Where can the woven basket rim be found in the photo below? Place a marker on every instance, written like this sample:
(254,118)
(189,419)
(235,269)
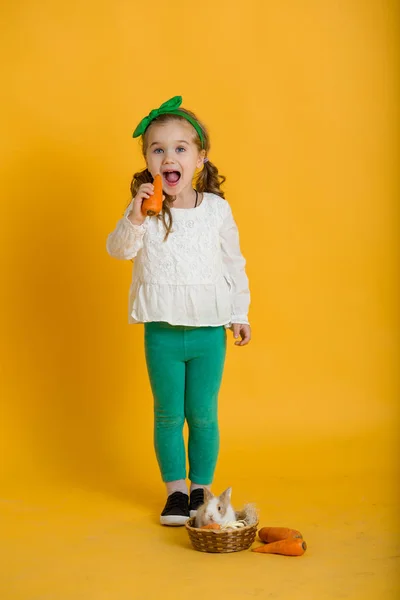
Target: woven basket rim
(218,531)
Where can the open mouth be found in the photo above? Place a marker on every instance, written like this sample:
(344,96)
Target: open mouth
(171,177)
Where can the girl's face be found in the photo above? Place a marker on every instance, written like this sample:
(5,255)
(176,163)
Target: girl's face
(172,152)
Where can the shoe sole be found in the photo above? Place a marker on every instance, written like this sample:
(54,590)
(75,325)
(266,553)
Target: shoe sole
(193,513)
(173,520)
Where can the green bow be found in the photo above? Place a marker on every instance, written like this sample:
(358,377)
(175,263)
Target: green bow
(171,107)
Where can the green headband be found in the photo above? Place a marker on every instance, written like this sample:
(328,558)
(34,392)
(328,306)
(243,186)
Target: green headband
(171,107)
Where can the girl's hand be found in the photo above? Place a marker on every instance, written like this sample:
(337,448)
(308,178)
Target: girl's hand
(145,191)
(244,331)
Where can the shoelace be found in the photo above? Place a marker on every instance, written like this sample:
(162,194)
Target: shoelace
(197,498)
(176,501)
(197,494)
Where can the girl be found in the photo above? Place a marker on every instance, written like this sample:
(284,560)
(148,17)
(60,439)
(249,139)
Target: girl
(189,285)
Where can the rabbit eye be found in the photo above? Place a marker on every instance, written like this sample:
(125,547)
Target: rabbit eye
(219,508)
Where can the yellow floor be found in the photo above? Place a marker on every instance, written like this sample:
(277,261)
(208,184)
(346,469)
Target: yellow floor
(71,541)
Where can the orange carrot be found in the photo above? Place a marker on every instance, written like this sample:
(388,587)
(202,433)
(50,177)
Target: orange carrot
(288,547)
(152,206)
(275,534)
(211,526)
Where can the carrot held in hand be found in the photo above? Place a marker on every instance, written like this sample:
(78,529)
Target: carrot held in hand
(275,534)
(152,206)
(288,547)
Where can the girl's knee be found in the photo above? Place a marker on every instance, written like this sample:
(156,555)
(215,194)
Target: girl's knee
(202,421)
(169,421)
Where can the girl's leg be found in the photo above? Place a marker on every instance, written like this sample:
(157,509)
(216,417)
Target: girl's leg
(205,349)
(166,367)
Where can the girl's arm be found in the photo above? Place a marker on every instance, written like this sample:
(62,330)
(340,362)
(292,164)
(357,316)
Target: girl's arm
(127,239)
(235,268)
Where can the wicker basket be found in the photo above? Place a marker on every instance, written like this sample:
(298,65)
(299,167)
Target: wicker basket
(227,540)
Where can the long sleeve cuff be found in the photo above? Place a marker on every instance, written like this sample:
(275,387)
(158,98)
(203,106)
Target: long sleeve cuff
(136,228)
(242,320)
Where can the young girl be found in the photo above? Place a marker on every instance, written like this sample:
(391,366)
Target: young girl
(189,285)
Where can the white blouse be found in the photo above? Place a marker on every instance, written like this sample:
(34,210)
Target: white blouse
(195,278)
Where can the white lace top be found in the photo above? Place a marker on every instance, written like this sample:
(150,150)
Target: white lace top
(195,278)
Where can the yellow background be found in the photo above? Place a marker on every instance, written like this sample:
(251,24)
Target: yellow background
(301,100)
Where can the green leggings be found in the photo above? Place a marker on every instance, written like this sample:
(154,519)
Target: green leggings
(185,366)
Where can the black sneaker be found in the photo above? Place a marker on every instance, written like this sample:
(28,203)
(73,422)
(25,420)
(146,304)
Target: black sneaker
(196,500)
(176,510)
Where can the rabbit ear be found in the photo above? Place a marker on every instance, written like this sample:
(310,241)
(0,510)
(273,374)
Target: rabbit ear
(207,495)
(225,497)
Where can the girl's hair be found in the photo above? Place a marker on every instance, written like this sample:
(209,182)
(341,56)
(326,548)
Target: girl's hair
(207,180)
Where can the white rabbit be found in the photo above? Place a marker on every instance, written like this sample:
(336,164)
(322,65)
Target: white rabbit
(216,509)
